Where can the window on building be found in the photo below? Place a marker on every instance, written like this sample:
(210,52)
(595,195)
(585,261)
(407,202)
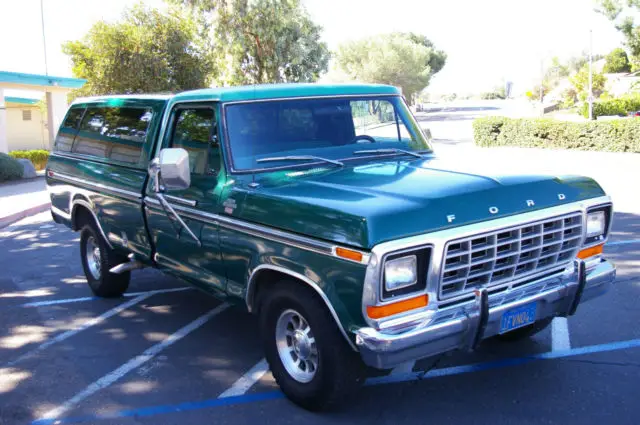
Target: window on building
(26,115)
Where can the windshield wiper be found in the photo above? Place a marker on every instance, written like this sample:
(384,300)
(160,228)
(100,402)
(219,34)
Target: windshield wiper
(387,151)
(301,158)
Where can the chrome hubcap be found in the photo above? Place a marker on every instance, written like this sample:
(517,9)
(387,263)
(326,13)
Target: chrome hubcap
(296,346)
(93,257)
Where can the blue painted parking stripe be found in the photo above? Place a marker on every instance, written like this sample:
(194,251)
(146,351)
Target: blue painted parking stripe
(414,376)
(478,367)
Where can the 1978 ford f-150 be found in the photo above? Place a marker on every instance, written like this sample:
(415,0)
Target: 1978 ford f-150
(324,210)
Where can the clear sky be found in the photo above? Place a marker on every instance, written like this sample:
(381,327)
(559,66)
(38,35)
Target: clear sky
(487,41)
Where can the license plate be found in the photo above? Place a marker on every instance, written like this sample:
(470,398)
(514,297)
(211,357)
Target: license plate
(518,317)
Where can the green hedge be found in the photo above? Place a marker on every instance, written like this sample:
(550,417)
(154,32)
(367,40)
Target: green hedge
(38,157)
(620,106)
(10,169)
(613,136)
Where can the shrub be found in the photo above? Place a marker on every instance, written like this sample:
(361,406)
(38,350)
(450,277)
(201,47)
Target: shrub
(617,61)
(613,136)
(620,106)
(10,169)
(38,157)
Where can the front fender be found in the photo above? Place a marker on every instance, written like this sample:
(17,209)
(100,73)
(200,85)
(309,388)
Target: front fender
(338,282)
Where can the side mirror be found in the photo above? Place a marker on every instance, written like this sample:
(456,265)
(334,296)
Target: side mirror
(172,168)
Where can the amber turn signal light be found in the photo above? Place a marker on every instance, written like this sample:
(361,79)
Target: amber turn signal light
(590,252)
(380,311)
(349,254)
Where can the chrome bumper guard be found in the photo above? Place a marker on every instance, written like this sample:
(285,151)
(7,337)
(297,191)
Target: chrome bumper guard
(481,318)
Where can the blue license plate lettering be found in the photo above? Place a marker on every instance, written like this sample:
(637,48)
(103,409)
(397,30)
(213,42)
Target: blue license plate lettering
(518,317)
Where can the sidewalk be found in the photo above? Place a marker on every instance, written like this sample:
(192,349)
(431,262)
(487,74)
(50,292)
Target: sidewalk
(20,199)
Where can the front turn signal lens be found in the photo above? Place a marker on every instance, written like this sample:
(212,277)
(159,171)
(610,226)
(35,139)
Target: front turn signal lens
(590,252)
(380,311)
(349,254)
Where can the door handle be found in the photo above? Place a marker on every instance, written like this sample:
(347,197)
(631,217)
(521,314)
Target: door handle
(178,200)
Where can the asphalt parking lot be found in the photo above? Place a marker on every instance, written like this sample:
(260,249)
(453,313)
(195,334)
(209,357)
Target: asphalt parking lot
(165,354)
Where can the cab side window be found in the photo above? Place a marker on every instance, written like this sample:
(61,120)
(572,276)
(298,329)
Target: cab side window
(195,131)
(116,133)
(68,129)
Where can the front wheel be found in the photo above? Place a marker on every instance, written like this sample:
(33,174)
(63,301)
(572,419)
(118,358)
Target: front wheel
(308,356)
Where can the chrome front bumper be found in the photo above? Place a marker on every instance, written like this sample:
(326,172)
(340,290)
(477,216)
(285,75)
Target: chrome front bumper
(480,319)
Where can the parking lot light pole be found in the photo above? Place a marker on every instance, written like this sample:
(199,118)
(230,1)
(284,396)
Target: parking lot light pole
(44,40)
(590,98)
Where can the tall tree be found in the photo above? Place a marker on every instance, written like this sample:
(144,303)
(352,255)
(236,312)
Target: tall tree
(622,13)
(580,82)
(617,61)
(401,59)
(261,41)
(147,51)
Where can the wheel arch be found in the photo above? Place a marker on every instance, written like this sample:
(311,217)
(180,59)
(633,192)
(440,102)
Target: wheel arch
(81,207)
(260,276)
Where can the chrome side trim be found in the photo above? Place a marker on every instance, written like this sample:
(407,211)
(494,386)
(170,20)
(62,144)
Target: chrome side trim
(438,240)
(249,294)
(89,207)
(258,230)
(83,183)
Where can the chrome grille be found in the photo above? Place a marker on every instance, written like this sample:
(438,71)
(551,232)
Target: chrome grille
(506,255)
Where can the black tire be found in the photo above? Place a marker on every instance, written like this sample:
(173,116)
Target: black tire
(525,331)
(104,284)
(340,371)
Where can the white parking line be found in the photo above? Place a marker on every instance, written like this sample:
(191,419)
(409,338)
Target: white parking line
(81,327)
(247,380)
(132,364)
(76,300)
(560,340)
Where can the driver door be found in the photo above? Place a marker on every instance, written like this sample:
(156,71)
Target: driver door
(194,128)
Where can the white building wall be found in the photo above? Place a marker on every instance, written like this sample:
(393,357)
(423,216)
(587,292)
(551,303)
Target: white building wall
(25,135)
(3,123)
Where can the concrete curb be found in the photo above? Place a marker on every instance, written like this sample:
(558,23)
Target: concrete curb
(6,221)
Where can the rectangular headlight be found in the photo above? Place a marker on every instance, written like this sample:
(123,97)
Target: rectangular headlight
(596,224)
(400,273)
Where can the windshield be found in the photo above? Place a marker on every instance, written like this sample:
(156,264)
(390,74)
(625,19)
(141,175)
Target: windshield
(331,128)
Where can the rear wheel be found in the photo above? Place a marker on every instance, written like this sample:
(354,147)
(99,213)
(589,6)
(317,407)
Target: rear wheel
(308,355)
(97,259)
(525,331)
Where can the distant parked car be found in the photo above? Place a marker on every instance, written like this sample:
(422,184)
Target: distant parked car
(634,114)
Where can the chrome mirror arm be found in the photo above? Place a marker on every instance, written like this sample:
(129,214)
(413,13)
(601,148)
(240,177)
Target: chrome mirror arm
(169,209)
(154,173)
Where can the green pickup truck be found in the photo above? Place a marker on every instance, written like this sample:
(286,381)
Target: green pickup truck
(324,210)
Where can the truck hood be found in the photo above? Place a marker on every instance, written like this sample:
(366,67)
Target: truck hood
(364,205)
